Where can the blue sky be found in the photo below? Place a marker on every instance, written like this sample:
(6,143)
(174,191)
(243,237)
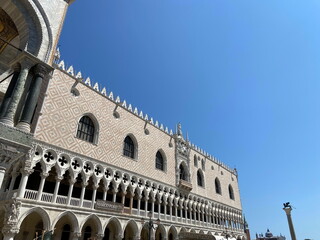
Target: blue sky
(241,76)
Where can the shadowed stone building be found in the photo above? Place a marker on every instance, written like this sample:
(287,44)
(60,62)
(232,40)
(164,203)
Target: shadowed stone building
(77,162)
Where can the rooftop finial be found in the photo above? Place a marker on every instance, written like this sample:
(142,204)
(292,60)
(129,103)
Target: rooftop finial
(179,131)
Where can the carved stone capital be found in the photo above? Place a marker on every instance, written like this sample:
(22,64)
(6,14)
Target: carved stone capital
(44,175)
(40,70)
(25,171)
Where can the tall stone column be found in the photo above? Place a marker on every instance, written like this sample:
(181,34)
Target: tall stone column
(83,190)
(131,202)
(290,223)
(56,188)
(105,192)
(9,114)
(139,204)
(114,197)
(94,194)
(123,195)
(32,98)
(23,183)
(8,95)
(13,179)
(72,182)
(2,174)
(152,206)
(40,190)
(146,199)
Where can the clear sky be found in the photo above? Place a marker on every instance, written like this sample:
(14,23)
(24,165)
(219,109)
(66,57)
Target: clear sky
(242,77)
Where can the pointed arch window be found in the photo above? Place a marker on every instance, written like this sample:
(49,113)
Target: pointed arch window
(195,159)
(160,161)
(200,180)
(183,173)
(86,129)
(217,186)
(128,148)
(231,193)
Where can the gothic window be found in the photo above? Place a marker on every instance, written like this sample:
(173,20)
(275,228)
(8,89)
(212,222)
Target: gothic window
(217,186)
(183,173)
(86,129)
(159,161)
(200,179)
(128,148)
(231,194)
(195,161)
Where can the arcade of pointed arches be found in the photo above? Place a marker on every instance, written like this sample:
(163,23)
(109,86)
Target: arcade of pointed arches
(57,178)
(70,226)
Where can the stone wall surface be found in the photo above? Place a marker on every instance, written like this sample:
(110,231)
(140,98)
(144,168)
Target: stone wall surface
(58,122)
(62,111)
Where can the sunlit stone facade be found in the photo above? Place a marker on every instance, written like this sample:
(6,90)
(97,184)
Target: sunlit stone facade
(78,163)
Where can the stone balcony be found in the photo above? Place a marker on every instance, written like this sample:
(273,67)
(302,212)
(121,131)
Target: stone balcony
(184,185)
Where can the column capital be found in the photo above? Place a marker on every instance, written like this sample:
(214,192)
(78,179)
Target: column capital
(41,70)
(26,171)
(288,210)
(59,178)
(44,175)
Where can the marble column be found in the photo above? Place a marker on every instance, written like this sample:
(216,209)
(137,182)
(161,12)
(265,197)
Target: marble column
(71,182)
(56,188)
(23,183)
(32,98)
(40,190)
(146,199)
(290,223)
(176,211)
(8,94)
(13,179)
(2,174)
(114,197)
(94,193)
(123,199)
(152,207)
(131,202)
(10,112)
(83,190)
(139,204)
(105,192)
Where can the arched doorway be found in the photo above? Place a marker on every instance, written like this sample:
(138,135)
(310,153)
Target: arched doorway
(64,227)
(172,234)
(91,228)
(31,227)
(112,231)
(130,231)
(160,233)
(144,235)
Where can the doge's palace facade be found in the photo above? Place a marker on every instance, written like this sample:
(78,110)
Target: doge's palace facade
(77,162)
